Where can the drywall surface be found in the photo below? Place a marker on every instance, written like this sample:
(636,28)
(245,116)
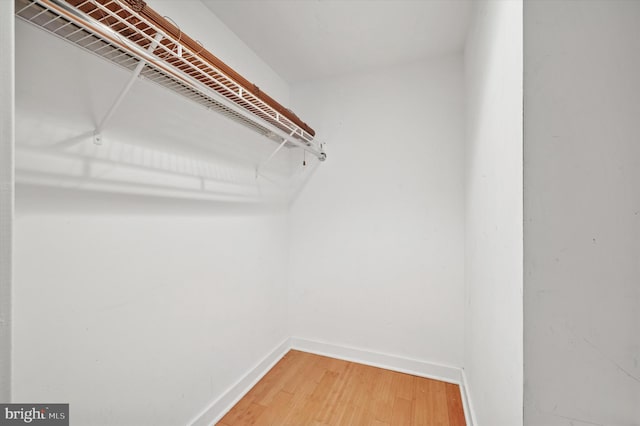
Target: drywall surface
(142,318)
(582,213)
(150,271)
(493,214)
(377,234)
(326,39)
(7,43)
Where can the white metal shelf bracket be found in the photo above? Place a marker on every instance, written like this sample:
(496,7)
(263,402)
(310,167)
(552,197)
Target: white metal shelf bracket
(273,154)
(97,133)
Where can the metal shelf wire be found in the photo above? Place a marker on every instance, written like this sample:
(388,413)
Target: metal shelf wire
(112,30)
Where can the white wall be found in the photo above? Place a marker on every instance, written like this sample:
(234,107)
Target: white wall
(582,213)
(493,214)
(7,100)
(377,234)
(150,272)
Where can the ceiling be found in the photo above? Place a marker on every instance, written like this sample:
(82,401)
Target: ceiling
(314,39)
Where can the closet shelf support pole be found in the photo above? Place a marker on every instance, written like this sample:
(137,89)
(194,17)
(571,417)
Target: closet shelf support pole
(97,134)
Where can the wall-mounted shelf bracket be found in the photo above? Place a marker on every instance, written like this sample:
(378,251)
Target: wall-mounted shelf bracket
(273,154)
(97,134)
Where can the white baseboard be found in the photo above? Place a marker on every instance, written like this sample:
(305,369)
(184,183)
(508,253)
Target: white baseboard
(444,373)
(469,412)
(218,408)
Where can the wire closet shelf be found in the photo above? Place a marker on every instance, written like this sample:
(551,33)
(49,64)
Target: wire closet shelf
(113,30)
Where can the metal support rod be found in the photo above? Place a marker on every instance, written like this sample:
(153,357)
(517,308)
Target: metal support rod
(273,154)
(260,166)
(126,88)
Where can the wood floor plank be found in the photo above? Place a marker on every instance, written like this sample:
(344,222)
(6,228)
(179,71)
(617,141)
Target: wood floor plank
(272,415)
(327,394)
(454,405)
(439,415)
(312,404)
(247,416)
(401,413)
(233,416)
(272,382)
(403,385)
(307,389)
(383,397)
(303,389)
(423,406)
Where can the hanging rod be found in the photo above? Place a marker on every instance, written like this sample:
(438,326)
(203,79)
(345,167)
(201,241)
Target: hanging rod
(123,32)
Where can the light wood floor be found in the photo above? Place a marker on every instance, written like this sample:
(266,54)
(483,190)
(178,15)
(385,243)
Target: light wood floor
(311,390)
